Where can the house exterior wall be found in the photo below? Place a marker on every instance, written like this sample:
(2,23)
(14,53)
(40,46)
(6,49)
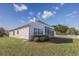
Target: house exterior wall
(28,32)
(23,33)
(38,25)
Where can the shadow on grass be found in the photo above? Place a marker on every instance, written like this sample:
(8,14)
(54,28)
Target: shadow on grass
(61,40)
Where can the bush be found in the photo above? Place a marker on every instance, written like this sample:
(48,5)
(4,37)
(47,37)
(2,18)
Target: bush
(36,39)
(40,38)
(2,31)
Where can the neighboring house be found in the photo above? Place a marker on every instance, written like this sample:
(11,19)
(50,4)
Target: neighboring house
(35,27)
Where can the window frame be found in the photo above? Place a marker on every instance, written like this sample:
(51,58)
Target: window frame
(38,31)
(17,32)
(13,32)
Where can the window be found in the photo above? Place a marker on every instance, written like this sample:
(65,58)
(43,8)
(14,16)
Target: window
(47,31)
(17,32)
(38,31)
(35,31)
(52,33)
(13,32)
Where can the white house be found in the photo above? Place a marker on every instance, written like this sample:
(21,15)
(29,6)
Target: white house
(35,27)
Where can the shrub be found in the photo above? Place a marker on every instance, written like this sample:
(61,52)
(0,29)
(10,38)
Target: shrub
(44,38)
(40,38)
(36,39)
(2,31)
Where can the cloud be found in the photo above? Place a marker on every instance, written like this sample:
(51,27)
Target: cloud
(46,14)
(31,13)
(54,12)
(61,4)
(39,15)
(72,13)
(21,7)
(56,8)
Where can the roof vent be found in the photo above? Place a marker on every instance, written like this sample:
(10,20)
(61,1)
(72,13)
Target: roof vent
(33,20)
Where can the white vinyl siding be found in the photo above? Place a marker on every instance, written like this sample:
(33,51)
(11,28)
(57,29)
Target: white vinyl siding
(20,33)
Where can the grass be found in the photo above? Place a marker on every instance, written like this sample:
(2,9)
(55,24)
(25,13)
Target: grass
(17,47)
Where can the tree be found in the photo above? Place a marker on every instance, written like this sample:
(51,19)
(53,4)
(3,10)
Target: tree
(2,32)
(60,28)
(71,31)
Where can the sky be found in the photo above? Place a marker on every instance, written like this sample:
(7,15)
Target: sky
(13,15)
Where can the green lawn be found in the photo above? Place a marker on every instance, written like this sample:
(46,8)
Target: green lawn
(17,47)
